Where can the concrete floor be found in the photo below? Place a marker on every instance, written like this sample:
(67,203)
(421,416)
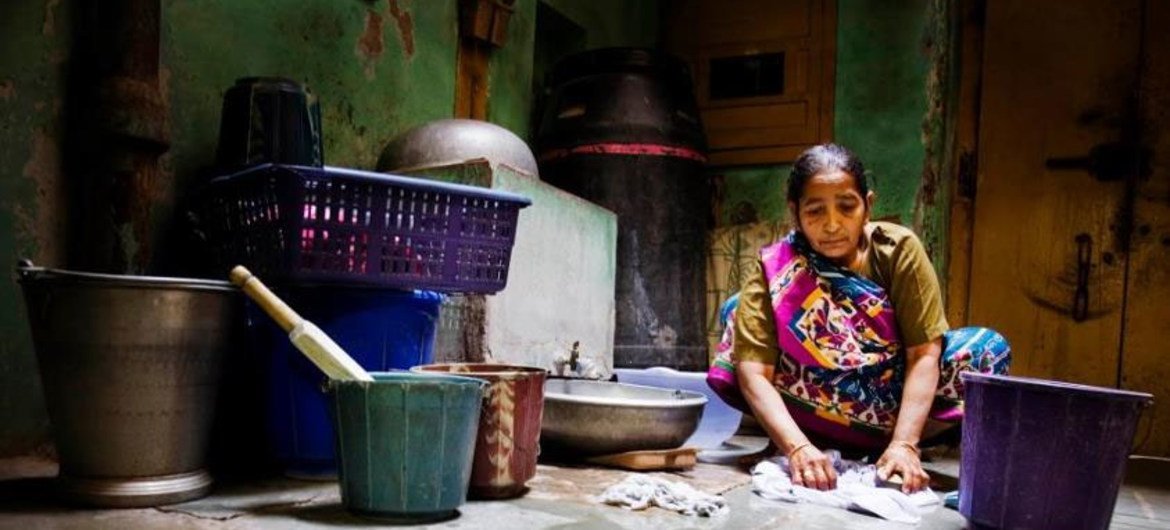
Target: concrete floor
(560,497)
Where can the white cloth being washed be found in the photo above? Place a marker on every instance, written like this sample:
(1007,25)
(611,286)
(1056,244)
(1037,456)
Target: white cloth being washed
(638,492)
(857,490)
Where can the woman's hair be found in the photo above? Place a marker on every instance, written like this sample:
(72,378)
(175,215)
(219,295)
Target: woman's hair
(821,158)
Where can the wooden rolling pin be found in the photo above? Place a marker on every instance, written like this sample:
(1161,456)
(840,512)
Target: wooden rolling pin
(307,337)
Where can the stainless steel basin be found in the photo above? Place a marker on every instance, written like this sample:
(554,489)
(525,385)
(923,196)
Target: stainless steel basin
(584,418)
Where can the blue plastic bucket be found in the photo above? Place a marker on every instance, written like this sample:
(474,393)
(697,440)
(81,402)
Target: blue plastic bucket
(406,444)
(1043,454)
(382,329)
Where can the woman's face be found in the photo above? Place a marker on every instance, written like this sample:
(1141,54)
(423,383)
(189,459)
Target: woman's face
(833,214)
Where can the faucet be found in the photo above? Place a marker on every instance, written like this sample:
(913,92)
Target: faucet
(574,354)
(577,365)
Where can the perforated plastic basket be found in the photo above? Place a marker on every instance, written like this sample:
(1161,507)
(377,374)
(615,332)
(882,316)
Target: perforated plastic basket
(310,224)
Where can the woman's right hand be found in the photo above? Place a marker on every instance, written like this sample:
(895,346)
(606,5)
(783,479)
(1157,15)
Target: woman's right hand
(809,467)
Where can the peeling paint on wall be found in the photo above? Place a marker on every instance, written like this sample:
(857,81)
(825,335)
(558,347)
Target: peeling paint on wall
(32,203)
(370,45)
(932,203)
(405,27)
(45,224)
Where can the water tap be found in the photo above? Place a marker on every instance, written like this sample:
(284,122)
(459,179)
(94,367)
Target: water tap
(577,365)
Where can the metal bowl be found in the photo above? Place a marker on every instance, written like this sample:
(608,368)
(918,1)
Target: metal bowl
(454,141)
(586,418)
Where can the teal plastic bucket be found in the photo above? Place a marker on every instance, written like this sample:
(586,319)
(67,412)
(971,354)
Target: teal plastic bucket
(405,444)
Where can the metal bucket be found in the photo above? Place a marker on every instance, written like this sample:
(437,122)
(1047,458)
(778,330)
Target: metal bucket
(130,367)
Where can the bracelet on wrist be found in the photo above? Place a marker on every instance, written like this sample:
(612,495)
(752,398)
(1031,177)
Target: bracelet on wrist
(798,448)
(912,447)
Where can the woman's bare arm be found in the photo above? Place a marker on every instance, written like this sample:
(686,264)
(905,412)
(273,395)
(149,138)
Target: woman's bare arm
(901,457)
(808,465)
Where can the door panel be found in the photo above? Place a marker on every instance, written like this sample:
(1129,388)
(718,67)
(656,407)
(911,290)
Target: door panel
(1146,342)
(1048,262)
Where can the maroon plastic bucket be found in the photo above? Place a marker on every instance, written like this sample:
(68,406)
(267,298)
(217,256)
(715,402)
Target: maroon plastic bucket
(509,426)
(1043,454)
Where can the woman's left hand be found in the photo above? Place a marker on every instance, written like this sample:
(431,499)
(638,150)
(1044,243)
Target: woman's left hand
(902,459)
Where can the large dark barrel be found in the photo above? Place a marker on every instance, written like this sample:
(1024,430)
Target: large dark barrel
(620,128)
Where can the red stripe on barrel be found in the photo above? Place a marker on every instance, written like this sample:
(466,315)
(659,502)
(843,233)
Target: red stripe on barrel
(634,149)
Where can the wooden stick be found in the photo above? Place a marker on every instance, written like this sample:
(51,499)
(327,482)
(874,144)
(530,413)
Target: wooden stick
(284,315)
(327,355)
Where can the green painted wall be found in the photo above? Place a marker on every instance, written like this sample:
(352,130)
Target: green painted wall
(510,73)
(881,96)
(33,55)
(613,22)
(379,67)
(750,194)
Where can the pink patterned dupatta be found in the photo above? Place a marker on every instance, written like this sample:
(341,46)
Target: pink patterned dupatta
(839,343)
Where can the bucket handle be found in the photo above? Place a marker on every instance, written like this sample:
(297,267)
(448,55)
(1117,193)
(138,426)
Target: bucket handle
(25,268)
(1153,408)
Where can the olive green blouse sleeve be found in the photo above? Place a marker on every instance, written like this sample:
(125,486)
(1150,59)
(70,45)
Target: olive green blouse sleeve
(915,293)
(755,323)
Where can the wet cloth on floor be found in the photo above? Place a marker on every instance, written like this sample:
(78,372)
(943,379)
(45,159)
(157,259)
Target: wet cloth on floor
(857,490)
(638,492)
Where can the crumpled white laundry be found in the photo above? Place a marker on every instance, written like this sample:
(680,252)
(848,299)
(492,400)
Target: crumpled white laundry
(638,492)
(857,490)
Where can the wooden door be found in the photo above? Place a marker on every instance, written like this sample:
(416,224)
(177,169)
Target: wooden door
(1145,352)
(1061,263)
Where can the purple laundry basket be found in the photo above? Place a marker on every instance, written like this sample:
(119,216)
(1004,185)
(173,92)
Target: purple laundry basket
(382,329)
(298,224)
(1043,454)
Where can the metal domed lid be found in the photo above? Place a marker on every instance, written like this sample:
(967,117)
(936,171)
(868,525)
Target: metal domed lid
(451,141)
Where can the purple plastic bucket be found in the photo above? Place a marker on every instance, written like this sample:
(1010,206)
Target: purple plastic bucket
(1043,454)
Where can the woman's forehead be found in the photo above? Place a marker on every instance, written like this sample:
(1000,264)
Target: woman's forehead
(834,178)
(822,186)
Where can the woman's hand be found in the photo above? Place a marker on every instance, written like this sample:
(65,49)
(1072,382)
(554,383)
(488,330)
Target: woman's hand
(901,459)
(809,467)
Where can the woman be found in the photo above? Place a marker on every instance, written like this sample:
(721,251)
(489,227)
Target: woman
(839,336)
